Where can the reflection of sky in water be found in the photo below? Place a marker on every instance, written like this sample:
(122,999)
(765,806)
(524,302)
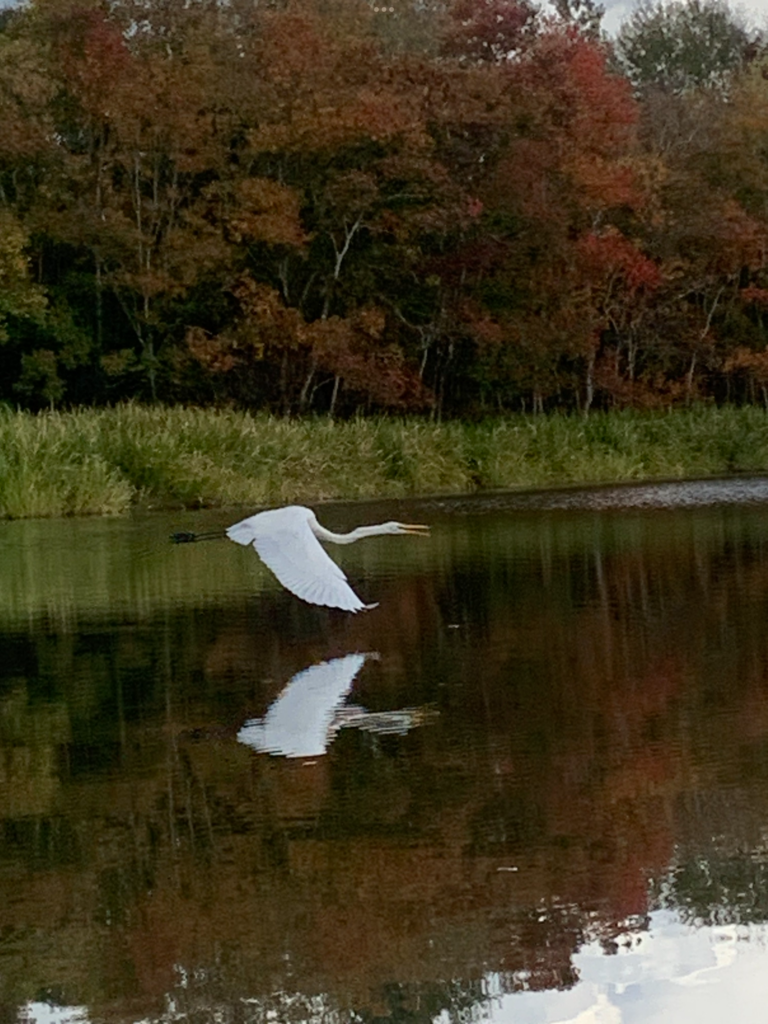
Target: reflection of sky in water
(45,1013)
(671,974)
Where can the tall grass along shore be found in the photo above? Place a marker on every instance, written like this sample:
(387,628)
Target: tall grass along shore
(106,461)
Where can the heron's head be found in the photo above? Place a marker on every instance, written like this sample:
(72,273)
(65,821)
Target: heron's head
(417,529)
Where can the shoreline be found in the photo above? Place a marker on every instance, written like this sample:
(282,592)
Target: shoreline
(115,460)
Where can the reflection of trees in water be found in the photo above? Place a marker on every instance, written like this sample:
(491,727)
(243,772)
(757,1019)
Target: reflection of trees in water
(719,889)
(457,1001)
(720,869)
(586,697)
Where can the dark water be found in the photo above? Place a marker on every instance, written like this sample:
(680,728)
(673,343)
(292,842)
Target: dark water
(531,786)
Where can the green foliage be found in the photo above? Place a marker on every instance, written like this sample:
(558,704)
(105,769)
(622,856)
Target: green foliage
(49,469)
(19,296)
(105,462)
(677,46)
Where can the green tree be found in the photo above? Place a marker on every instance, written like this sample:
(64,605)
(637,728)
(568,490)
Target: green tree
(19,296)
(678,46)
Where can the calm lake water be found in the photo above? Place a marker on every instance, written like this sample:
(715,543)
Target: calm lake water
(530,787)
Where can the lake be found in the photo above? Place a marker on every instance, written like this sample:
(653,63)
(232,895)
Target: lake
(531,786)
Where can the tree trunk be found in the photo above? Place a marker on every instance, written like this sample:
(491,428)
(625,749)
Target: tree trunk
(590,383)
(689,380)
(336,381)
(99,307)
(306,386)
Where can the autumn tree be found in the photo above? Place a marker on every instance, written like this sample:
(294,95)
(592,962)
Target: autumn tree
(344,192)
(565,176)
(703,223)
(20,297)
(139,202)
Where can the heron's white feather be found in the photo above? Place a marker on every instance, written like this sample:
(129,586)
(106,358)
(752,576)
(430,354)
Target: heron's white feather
(288,541)
(286,544)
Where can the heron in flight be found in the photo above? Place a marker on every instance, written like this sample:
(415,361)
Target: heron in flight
(288,542)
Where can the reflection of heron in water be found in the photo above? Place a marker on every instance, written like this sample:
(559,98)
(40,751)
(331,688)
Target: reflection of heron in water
(287,540)
(306,716)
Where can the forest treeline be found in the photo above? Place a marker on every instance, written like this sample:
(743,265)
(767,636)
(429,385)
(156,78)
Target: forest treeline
(330,205)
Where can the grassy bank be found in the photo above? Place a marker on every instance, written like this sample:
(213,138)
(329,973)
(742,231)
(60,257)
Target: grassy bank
(105,461)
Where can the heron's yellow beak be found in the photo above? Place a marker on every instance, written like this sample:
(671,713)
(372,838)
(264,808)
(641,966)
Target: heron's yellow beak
(418,529)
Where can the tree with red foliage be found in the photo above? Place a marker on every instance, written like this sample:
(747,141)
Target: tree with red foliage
(492,31)
(554,192)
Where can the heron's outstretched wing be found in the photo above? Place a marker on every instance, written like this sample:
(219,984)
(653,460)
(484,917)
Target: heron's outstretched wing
(296,557)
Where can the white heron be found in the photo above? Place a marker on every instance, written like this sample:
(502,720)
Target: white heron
(288,542)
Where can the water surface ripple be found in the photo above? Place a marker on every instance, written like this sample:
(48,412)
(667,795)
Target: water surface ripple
(664,494)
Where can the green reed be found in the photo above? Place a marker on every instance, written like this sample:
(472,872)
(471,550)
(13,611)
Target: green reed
(106,461)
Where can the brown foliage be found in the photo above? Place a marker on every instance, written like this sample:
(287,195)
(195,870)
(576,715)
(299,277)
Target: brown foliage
(272,336)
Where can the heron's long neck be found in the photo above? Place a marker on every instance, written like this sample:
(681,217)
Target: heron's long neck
(347,538)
